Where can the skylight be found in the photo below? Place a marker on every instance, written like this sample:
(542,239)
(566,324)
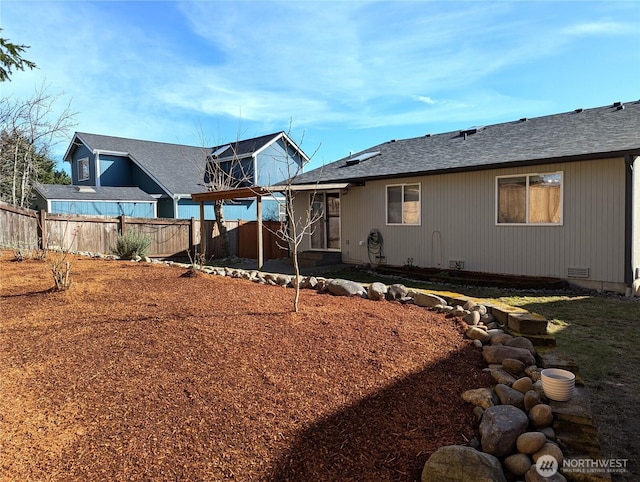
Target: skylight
(219,151)
(361,157)
(85,189)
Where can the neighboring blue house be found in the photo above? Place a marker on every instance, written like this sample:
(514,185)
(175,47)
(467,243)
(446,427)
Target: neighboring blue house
(95,201)
(116,175)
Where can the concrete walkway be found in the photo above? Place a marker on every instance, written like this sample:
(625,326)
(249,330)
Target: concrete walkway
(281,265)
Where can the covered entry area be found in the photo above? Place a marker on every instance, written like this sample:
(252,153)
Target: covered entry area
(326,204)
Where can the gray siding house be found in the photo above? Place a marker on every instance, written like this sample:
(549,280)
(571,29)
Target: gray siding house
(116,175)
(555,196)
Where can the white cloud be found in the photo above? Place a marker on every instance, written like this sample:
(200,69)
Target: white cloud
(344,64)
(425,99)
(599,28)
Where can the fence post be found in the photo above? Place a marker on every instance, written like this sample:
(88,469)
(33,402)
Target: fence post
(123,224)
(42,227)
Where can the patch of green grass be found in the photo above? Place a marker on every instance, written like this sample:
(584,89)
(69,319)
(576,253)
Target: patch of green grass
(600,333)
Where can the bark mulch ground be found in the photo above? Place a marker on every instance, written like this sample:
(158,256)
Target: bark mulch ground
(138,373)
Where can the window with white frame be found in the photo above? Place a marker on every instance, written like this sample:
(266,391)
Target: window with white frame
(529,199)
(403,204)
(83,169)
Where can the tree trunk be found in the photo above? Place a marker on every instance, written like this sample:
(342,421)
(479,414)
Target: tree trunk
(294,253)
(14,185)
(222,228)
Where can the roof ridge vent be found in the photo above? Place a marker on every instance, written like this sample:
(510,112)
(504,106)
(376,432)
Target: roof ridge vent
(523,119)
(620,107)
(578,110)
(471,130)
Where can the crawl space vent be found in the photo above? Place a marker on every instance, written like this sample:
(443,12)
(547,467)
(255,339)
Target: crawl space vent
(578,272)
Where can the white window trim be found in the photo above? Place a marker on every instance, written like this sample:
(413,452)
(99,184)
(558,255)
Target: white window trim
(527,176)
(386,204)
(80,170)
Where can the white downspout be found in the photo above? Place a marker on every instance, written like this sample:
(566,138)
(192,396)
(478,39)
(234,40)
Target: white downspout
(97,157)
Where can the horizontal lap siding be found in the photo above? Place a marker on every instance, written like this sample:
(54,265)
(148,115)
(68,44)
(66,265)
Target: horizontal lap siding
(98,208)
(458,222)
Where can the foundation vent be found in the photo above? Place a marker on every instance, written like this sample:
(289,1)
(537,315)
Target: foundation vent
(577,272)
(456,264)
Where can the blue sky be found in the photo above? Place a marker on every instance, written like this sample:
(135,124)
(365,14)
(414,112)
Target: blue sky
(347,75)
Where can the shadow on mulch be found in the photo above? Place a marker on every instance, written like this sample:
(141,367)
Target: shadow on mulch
(372,440)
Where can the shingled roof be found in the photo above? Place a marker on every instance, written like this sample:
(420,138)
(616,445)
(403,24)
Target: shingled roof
(610,131)
(91,193)
(178,168)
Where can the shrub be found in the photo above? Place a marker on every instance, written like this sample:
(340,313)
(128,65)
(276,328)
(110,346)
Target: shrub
(61,271)
(131,244)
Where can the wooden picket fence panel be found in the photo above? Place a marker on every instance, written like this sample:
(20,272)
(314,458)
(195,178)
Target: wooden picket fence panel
(27,229)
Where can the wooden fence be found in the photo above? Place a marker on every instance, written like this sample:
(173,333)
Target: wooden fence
(28,229)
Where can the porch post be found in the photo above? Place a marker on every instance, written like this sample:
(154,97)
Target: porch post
(202,234)
(259,223)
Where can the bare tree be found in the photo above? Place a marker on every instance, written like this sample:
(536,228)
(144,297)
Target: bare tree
(296,225)
(223,170)
(28,132)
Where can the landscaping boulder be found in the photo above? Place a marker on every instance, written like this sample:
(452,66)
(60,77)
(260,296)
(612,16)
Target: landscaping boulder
(541,415)
(549,433)
(500,375)
(469,305)
(522,342)
(480,308)
(500,428)
(531,399)
(481,397)
(523,384)
(475,333)
(515,367)
(635,289)
(530,442)
(458,463)
(343,287)
(396,292)
(552,449)
(282,279)
(517,464)
(428,300)
(497,353)
(472,319)
(509,396)
(501,338)
(377,291)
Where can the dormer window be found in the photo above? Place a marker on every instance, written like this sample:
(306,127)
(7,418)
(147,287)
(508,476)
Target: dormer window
(83,169)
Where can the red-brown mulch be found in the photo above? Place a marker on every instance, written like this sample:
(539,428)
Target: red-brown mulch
(137,373)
